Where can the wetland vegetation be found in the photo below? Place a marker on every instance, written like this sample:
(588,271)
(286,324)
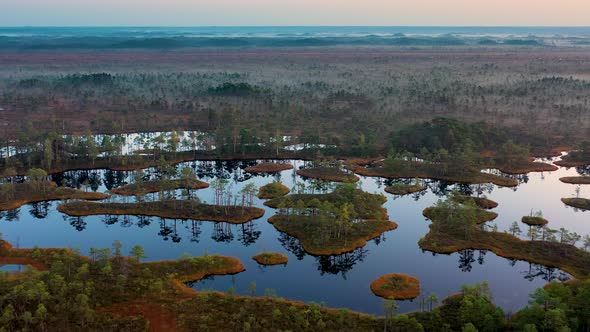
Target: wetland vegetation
(192,138)
(578,203)
(39,189)
(404,189)
(396,286)
(175,209)
(154,186)
(273,190)
(271,258)
(455,227)
(575,179)
(333,223)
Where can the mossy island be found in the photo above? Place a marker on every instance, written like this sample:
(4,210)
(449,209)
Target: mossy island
(480,202)
(404,189)
(153,186)
(399,169)
(271,258)
(527,167)
(396,286)
(15,195)
(174,209)
(324,173)
(455,227)
(577,158)
(332,223)
(273,190)
(324,237)
(578,203)
(268,167)
(534,221)
(575,179)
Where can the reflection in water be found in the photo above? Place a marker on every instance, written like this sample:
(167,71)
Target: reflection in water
(114,179)
(222,232)
(292,244)
(248,233)
(194,227)
(466,260)
(77,222)
(40,210)
(583,170)
(544,272)
(343,263)
(333,264)
(229,169)
(83,179)
(109,219)
(355,267)
(10,215)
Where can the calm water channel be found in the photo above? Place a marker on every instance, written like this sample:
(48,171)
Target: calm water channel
(338,281)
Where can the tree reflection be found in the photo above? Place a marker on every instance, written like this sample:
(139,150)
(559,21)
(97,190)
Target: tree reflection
(340,263)
(292,245)
(114,179)
(10,215)
(110,219)
(195,229)
(165,230)
(466,260)
(222,232)
(248,234)
(85,179)
(143,221)
(379,239)
(440,188)
(333,264)
(544,272)
(40,210)
(77,222)
(583,170)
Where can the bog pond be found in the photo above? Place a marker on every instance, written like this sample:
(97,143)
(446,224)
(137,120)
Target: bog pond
(338,281)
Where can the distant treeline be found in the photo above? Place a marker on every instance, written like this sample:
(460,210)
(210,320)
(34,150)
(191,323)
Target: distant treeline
(93,42)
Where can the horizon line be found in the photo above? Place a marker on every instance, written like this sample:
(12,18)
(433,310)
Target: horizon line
(294,26)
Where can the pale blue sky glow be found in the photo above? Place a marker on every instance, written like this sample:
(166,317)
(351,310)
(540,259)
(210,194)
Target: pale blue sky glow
(291,12)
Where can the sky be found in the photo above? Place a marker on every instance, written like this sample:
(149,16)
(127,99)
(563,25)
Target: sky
(294,12)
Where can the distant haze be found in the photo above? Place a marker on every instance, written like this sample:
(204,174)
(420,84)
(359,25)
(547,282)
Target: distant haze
(294,12)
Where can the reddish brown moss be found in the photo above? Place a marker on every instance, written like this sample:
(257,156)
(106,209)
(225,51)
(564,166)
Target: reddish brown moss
(333,174)
(534,221)
(271,258)
(273,190)
(578,203)
(269,168)
(147,187)
(575,179)
(441,239)
(416,171)
(528,168)
(308,231)
(26,193)
(174,209)
(396,286)
(480,202)
(404,189)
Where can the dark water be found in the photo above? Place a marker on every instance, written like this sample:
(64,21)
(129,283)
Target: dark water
(339,281)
